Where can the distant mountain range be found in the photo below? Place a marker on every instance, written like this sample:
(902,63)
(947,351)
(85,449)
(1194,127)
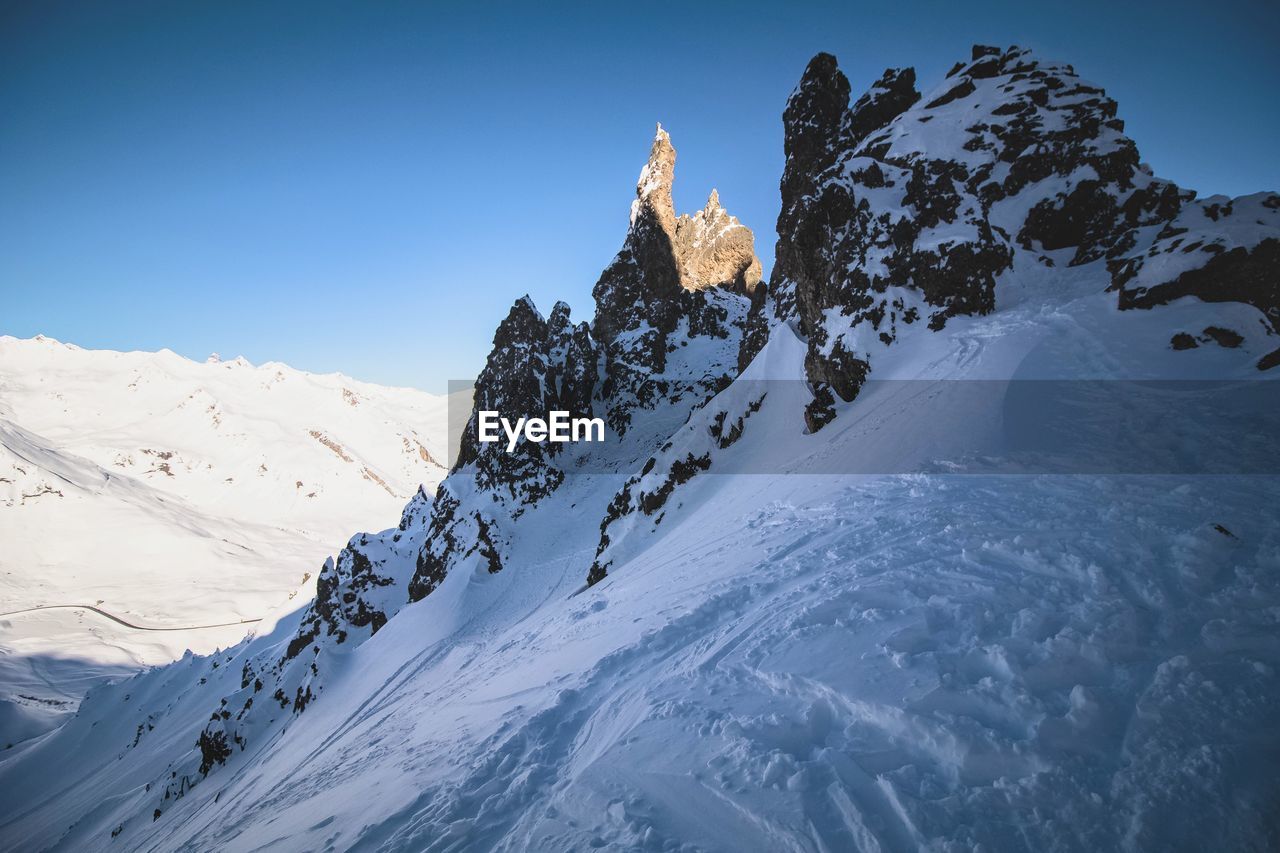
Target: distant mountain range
(172,493)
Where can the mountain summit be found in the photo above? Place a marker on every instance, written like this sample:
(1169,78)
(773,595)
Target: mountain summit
(903,209)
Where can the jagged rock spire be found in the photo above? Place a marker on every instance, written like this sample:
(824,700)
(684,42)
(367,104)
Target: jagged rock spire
(664,256)
(812,123)
(653,189)
(711,248)
(716,250)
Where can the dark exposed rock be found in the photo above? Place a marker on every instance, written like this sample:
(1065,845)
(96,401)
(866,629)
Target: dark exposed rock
(572,368)
(890,96)
(1091,220)
(648,502)
(1224,337)
(815,122)
(445,541)
(213,750)
(962,89)
(821,410)
(725,430)
(645,496)
(356,594)
(514,382)
(1240,274)
(755,332)
(536,366)
(880,227)
(1183,341)
(696,270)
(681,472)
(362,587)
(831,232)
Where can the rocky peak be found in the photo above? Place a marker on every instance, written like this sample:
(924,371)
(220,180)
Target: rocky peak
(694,270)
(813,120)
(867,187)
(905,209)
(572,359)
(889,97)
(709,249)
(523,377)
(512,379)
(716,250)
(653,189)
(558,319)
(536,366)
(675,279)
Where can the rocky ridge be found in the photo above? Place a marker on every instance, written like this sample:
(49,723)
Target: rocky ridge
(900,212)
(905,209)
(665,336)
(675,280)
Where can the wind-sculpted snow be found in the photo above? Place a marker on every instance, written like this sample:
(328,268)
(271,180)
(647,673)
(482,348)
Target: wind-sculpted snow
(1025,663)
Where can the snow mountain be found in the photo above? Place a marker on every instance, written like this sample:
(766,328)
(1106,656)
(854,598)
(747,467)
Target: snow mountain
(812,595)
(170,493)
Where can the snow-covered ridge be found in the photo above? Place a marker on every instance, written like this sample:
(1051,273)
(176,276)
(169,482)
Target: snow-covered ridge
(208,432)
(903,211)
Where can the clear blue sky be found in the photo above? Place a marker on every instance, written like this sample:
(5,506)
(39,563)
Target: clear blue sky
(366,187)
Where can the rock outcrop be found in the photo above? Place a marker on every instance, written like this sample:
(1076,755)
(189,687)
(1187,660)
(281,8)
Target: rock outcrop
(363,587)
(675,279)
(669,314)
(356,594)
(1217,250)
(536,366)
(905,211)
(901,212)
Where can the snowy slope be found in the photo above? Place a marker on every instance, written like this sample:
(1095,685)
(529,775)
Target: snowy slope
(805,630)
(798,662)
(172,493)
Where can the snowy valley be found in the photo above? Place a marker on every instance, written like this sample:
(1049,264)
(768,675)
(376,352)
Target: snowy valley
(170,493)
(810,597)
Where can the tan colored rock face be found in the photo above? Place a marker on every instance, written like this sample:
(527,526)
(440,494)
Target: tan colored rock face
(714,249)
(711,247)
(653,189)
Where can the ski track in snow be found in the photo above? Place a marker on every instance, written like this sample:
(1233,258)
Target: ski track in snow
(801,662)
(900,657)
